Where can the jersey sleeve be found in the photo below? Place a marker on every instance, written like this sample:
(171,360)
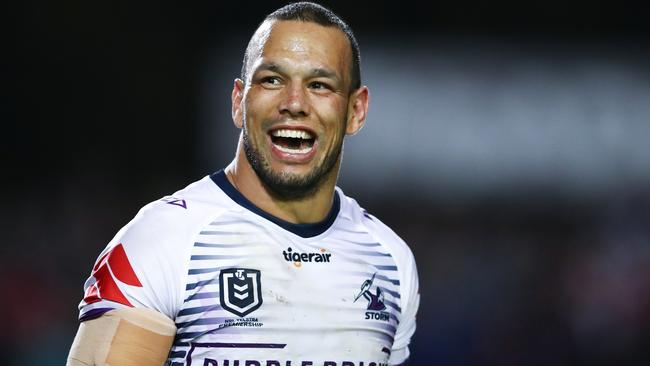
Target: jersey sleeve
(409,287)
(142,266)
(411,301)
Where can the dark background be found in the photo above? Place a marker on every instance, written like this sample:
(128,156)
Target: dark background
(104,109)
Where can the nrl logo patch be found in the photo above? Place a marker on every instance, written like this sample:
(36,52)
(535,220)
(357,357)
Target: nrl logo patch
(240,290)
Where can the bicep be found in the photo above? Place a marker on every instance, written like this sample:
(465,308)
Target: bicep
(132,336)
(406,328)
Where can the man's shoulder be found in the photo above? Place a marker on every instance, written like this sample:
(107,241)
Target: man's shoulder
(373,225)
(145,263)
(180,213)
(391,243)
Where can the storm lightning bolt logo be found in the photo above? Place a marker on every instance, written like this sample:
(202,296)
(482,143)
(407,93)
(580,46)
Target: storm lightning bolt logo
(376,300)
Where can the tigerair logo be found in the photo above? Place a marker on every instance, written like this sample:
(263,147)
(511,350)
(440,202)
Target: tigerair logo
(299,258)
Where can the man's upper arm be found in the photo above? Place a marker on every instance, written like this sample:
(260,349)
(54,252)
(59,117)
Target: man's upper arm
(409,289)
(134,291)
(128,336)
(406,327)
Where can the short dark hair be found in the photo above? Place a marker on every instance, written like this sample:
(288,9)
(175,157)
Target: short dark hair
(315,13)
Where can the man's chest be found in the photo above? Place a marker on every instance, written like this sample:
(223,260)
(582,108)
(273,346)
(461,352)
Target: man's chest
(256,295)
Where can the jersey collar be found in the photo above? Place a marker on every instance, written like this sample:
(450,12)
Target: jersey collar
(303,230)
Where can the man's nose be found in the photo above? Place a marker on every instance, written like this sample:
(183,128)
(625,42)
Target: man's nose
(295,101)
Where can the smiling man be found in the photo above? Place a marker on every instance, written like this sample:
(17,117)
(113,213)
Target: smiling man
(266,262)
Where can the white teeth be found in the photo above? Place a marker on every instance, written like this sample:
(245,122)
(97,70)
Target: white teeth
(296,134)
(293,151)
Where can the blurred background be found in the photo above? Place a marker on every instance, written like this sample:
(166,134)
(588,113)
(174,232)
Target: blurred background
(508,144)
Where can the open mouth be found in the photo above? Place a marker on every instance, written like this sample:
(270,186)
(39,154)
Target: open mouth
(292,141)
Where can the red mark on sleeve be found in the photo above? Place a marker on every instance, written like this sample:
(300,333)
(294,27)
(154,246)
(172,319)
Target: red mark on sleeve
(106,287)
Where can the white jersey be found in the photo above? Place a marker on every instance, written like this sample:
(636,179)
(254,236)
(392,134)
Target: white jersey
(248,289)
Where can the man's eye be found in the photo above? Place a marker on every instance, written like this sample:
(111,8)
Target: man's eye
(319,85)
(272,80)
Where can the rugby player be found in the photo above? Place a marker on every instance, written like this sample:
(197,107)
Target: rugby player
(265,262)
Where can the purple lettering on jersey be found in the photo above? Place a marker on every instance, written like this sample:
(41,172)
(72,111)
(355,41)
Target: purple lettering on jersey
(213,362)
(193,346)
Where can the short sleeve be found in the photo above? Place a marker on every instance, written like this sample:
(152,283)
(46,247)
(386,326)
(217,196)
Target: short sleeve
(142,266)
(411,301)
(409,286)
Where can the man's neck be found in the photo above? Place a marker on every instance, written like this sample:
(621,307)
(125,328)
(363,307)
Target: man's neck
(311,209)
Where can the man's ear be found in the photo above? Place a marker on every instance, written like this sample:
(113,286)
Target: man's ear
(237,99)
(357,110)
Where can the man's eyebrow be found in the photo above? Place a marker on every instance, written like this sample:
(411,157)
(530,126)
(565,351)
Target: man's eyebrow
(314,73)
(324,73)
(269,66)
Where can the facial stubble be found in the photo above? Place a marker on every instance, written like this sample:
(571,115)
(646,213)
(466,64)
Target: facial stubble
(289,186)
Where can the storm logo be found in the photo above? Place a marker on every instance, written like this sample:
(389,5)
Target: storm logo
(376,300)
(240,290)
(376,304)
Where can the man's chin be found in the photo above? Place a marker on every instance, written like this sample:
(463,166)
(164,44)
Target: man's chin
(290,173)
(290,181)
(290,186)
